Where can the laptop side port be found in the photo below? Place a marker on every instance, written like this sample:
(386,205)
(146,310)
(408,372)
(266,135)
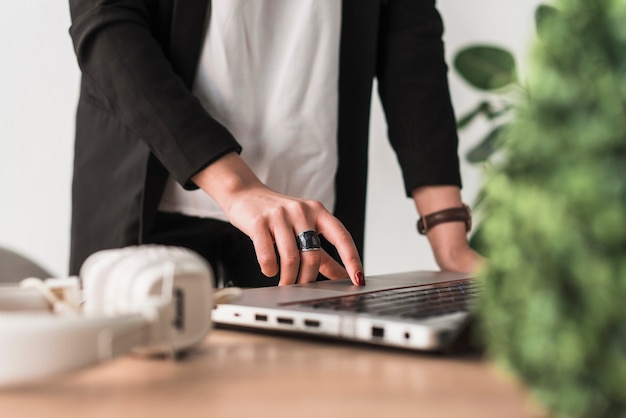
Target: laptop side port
(378,332)
(284,321)
(260,318)
(312,323)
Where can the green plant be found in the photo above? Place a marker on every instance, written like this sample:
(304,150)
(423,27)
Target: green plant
(493,71)
(553,309)
(489,69)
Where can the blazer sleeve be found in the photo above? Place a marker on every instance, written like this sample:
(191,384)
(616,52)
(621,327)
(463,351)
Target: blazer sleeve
(413,87)
(123,62)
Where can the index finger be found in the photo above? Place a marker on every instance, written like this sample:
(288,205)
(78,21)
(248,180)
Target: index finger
(337,234)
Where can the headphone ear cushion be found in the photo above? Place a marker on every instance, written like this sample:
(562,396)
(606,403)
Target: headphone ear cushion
(95,274)
(123,276)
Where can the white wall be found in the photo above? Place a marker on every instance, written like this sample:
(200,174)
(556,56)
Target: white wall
(38,93)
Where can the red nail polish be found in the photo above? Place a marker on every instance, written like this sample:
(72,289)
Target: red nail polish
(360,279)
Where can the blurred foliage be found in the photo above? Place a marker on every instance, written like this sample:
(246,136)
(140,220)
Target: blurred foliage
(553,310)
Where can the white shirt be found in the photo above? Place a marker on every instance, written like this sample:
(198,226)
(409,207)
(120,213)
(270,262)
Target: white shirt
(269,72)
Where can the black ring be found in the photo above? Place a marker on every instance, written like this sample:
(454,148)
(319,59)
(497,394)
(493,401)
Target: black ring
(308,241)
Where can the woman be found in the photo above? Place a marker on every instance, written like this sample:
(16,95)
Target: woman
(236,137)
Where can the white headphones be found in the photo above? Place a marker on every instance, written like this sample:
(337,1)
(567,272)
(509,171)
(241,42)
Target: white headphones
(151,299)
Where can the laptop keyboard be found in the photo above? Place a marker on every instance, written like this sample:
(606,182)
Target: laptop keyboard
(418,302)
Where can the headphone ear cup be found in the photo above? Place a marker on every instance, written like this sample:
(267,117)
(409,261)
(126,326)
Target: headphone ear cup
(172,283)
(192,298)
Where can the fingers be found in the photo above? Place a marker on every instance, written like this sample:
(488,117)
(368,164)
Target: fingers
(295,266)
(304,266)
(331,268)
(264,249)
(337,234)
(288,251)
(274,221)
(309,266)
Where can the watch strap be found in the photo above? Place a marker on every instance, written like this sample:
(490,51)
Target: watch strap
(459,214)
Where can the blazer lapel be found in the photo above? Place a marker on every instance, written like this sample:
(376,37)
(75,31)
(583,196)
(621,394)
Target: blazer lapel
(187,35)
(357,67)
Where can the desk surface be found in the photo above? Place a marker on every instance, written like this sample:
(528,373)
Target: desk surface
(245,374)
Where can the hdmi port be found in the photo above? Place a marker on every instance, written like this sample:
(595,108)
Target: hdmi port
(286,321)
(313,323)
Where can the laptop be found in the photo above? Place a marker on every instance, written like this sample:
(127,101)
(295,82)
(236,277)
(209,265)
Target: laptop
(419,310)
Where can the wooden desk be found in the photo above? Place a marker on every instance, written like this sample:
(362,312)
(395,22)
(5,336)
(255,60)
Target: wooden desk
(254,375)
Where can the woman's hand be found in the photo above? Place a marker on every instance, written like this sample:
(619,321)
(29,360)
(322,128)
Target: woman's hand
(451,250)
(273,220)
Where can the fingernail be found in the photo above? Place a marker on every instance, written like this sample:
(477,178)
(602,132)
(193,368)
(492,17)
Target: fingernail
(360,279)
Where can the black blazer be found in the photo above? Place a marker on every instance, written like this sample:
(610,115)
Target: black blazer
(137,121)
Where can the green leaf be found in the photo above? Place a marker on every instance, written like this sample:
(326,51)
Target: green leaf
(486,148)
(482,107)
(486,67)
(492,114)
(479,200)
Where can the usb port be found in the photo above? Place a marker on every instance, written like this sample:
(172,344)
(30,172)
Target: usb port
(313,323)
(378,332)
(262,318)
(283,320)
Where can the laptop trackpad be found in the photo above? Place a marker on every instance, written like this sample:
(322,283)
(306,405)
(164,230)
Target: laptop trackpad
(346,286)
(338,285)
(385,281)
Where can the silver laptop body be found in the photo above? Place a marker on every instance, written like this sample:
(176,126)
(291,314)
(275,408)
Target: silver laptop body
(414,310)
